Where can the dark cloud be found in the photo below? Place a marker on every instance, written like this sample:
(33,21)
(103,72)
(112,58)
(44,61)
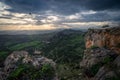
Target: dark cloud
(62,6)
(99,16)
(88,4)
(27,5)
(34,6)
(102,4)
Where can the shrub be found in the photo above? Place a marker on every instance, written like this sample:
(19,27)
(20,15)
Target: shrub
(47,70)
(107,59)
(113,78)
(94,47)
(94,69)
(29,72)
(3,56)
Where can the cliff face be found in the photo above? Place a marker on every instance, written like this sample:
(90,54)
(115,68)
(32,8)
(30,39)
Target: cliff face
(100,61)
(108,38)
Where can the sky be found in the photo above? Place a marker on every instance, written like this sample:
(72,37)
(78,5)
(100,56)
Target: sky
(58,14)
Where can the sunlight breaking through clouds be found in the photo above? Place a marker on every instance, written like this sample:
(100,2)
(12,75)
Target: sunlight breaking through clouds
(59,13)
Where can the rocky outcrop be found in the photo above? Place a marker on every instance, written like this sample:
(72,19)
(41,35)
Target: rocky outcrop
(101,57)
(99,64)
(19,58)
(98,55)
(104,37)
(110,71)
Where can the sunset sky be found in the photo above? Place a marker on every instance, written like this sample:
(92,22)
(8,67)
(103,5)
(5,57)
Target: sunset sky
(57,14)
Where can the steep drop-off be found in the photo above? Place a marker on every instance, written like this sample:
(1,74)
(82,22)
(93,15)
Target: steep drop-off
(107,38)
(102,54)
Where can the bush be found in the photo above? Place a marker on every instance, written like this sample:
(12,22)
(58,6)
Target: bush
(113,78)
(94,47)
(94,69)
(107,60)
(3,56)
(29,72)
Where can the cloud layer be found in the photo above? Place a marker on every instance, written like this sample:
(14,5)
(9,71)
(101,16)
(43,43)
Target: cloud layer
(59,12)
(62,6)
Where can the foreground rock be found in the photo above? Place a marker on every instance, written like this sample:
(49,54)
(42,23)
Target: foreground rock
(98,55)
(22,66)
(109,71)
(100,64)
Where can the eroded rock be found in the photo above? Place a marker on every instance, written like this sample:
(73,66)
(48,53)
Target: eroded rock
(22,58)
(101,57)
(109,37)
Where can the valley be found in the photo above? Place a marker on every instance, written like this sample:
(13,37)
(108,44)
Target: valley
(64,47)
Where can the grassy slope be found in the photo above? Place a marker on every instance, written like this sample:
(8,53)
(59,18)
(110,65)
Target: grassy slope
(35,44)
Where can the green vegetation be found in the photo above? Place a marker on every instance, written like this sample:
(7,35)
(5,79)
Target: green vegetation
(17,73)
(69,49)
(107,60)
(65,48)
(94,69)
(35,44)
(3,56)
(113,78)
(26,71)
(69,71)
(94,47)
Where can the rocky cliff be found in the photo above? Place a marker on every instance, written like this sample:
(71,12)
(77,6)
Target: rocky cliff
(102,54)
(104,37)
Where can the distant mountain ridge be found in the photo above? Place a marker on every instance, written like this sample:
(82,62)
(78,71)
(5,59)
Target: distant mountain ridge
(34,32)
(26,32)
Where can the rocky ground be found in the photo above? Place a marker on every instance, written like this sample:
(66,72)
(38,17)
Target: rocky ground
(17,62)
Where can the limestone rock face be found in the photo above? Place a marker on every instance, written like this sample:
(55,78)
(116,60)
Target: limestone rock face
(101,60)
(109,37)
(99,64)
(111,72)
(23,57)
(95,56)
